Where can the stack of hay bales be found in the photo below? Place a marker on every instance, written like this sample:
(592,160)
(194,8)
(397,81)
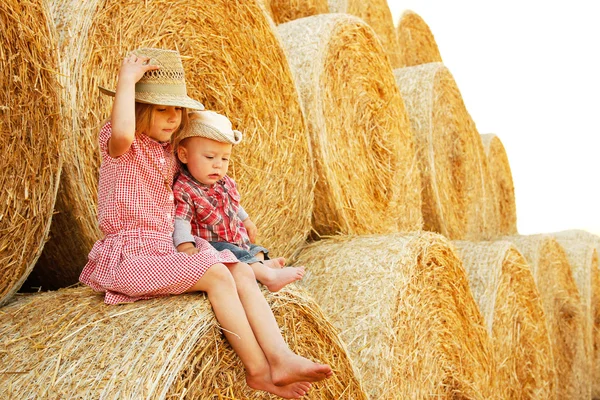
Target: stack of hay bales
(227,68)
(456,199)
(504,288)
(68,344)
(285,10)
(416,43)
(367,178)
(503,190)
(564,315)
(403,306)
(32,126)
(377,14)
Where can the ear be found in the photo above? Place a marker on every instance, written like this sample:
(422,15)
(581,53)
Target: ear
(182,154)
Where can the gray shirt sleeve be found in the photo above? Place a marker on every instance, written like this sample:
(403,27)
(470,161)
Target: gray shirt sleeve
(182,232)
(242,214)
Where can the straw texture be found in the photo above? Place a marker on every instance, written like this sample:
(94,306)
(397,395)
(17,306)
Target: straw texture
(32,126)
(288,10)
(367,178)
(70,345)
(504,288)
(403,306)
(501,182)
(416,43)
(234,65)
(456,200)
(562,304)
(377,14)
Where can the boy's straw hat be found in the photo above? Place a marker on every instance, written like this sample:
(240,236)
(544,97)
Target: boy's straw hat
(164,86)
(211,125)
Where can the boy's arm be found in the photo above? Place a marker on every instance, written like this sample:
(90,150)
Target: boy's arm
(182,234)
(248,224)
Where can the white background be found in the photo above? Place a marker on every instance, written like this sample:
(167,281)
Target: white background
(528,72)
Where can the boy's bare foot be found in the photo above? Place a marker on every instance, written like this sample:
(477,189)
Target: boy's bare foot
(275,263)
(294,368)
(291,391)
(276,279)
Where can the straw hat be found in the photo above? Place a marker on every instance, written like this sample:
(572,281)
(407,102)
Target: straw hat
(164,86)
(211,125)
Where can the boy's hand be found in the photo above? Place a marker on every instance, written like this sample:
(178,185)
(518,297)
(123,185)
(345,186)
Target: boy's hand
(251,229)
(187,248)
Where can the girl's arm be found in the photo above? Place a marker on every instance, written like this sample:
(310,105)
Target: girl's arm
(123,110)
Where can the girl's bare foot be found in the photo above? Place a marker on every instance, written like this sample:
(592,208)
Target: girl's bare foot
(275,263)
(276,279)
(291,391)
(293,368)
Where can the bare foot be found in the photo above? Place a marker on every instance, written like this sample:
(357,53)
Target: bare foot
(291,391)
(275,263)
(294,368)
(276,279)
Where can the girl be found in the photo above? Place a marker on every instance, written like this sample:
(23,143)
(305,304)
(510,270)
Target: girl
(137,259)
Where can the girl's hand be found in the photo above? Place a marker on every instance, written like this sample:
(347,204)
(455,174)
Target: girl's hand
(251,229)
(134,67)
(187,248)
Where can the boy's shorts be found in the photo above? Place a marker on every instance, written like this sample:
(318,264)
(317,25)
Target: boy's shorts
(245,256)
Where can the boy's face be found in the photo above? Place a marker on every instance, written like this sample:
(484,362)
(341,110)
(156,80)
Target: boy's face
(165,122)
(207,160)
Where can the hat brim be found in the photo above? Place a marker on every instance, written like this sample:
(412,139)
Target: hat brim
(161,99)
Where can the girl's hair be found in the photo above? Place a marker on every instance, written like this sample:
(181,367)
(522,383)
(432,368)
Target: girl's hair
(144,117)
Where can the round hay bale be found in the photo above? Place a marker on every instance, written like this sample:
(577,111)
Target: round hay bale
(504,288)
(234,65)
(416,43)
(501,184)
(367,179)
(566,323)
(451,159)
(377,14)
(285,10)
(32,127)
(593,240)
(403,306)
(155,349)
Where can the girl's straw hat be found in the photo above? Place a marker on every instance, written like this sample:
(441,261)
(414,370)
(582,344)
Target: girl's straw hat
(164,86)
(211,125)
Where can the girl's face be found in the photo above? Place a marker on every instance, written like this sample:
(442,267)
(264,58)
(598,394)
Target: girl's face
(207,160)
(166,120)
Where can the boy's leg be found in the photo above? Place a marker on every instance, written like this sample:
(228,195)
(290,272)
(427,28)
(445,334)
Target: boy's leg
(220,286)
(286,366)
(276,278)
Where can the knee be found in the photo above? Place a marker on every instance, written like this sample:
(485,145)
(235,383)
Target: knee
(219,276)
(243,272)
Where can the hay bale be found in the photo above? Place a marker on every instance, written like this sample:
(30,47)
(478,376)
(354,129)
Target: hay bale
(504,288)
(285,10)
(367,179)
(69,344)
(234,65)
(456,199)
(404,308)
(416,44)
(32,127)
(377,14)
(501,183)
(562,304)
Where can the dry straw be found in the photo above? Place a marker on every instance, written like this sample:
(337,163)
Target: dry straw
(416,44)
(285,10)
(403,306)
(562,305)
(501,184)
(32,125)
(367,178)
(69,344)
(377,14)
(234,64)
(455,192)
(504,288)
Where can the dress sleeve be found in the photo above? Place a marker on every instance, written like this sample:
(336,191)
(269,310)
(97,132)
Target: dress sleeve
(103,138)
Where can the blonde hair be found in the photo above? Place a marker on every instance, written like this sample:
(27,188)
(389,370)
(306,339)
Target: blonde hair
(144,117)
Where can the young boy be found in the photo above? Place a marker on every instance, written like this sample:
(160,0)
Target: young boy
(208,203)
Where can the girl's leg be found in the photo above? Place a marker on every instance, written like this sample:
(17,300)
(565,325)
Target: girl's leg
(220,286)
(276,279)
(286,366)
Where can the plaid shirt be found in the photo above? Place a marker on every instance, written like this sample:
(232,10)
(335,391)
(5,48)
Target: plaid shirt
(212,211)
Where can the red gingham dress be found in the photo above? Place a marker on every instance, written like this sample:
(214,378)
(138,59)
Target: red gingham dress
(137,259)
